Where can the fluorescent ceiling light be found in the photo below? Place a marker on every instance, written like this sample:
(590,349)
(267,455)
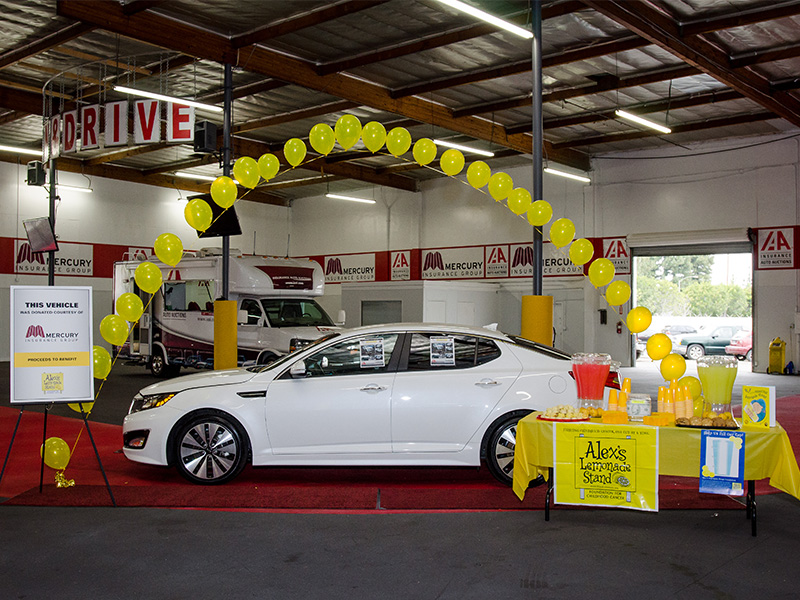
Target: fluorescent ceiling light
(187,175)
(484,16)
(463,148)
(74,188)
(350,198)
(199,105)
(567,175)
(641,121)
(19,150)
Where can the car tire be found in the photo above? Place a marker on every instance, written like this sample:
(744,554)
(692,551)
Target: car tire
(695,351)
(499,446)
(749,356)
(210,448)
(158,366)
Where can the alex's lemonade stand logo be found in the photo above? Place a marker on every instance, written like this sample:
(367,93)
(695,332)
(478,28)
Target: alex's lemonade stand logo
(606,465)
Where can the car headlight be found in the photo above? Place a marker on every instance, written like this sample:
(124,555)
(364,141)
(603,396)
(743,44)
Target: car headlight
(141,402)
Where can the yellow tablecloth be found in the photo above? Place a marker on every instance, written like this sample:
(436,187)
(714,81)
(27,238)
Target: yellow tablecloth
(768,453)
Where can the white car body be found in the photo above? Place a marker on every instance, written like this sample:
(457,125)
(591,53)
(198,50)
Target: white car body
(426,413)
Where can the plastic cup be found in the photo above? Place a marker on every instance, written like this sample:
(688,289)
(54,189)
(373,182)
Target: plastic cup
(717,375)
(591,373)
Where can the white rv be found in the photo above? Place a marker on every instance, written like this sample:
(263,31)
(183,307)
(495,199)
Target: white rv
(277,312)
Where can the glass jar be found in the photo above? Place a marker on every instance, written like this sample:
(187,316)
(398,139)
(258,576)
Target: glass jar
(717,374)
(591,373)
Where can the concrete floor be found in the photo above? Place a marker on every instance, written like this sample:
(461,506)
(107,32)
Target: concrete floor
(103,553)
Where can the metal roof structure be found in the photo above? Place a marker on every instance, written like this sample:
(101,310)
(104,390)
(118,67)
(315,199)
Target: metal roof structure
(708,69)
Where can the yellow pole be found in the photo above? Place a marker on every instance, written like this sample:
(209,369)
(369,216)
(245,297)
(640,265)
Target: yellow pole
(537,319)
(226,340)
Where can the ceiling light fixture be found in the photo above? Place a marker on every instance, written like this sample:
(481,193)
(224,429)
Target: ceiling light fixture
(484,16)
(350,198)
(567,175)
(74,188)
(463,148)
(641,121)
(18,150)
(187,175)
(154,96)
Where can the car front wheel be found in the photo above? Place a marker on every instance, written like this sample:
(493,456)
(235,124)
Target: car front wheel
(749,356)
(210,448)
(695,351)
(500,445)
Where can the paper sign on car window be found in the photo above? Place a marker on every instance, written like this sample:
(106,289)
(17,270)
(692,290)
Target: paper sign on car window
(443,351)
(372,353)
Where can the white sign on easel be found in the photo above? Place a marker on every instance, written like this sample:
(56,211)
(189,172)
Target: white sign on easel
(51,345)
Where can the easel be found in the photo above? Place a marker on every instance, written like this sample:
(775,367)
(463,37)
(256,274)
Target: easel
(85,417)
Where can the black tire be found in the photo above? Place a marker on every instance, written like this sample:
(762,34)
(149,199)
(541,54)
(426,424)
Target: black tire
(695,351)
(749,356)
(500,443)
(264,358)
(160,368)
(209,448)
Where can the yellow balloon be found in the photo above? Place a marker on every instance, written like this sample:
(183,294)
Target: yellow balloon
(224,190)
(424,151)
(295,151)
(129,307)
(478,174)
(540,213)
(694,385)
(519,201)
(322,138)
(348,130)
(101,362)
(374,136)
(658,346)
(639,319)
(398,141)
(198,214)
(452,162)
(601,272)
(673,366)
(500,186)
(76,406)
(268,166)
(561,232)
(618,292)
(581,251)
(245,170)
(148,277)
(55,452)
(169,249)
(114,329)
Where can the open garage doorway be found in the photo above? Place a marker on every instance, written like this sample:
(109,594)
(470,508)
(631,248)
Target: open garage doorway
(702,301)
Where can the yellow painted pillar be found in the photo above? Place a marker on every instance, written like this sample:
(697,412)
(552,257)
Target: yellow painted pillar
(226,339)
(537,319)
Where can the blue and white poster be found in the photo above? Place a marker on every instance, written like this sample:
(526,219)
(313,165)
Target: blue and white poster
(722,462)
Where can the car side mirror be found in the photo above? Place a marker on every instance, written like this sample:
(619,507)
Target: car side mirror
(341,318)
(298,370)
(241,317)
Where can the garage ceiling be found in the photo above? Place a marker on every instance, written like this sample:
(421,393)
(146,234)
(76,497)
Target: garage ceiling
(708,69)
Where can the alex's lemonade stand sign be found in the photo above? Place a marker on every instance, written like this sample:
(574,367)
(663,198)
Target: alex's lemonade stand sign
(606,465)
(51,344)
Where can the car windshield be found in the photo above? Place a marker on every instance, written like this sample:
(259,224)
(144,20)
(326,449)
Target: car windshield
(287,357)
(294,312)
(548,350)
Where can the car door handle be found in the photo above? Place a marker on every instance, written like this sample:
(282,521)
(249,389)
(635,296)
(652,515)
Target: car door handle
(372,387)
(487,383)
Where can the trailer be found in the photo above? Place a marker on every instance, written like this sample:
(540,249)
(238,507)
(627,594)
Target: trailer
(277,310)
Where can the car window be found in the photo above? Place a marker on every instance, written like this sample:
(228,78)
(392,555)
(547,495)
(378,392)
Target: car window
(430,351)
(724,332)
(365,354)
(293,312)
(253,309)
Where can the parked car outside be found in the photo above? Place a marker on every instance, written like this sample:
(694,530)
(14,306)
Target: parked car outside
(741,346)
(676,331)
(377,395)
(695,346)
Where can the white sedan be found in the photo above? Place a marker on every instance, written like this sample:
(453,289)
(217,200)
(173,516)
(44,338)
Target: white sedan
(403,394)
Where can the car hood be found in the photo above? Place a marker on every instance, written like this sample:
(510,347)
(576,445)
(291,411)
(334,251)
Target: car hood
(198,380)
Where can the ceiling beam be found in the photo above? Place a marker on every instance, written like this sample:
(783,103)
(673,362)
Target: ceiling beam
(21,100)
(294,115)
(242,91)
(126,153)
(65,34)
(181,37)
(746,59)
(741,17)
(660,28)
(308,19)
(676,129)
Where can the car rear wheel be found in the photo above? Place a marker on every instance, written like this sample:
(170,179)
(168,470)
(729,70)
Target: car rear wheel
(501,441)
(210,448)
(160,368)
(749,355)
(695,351)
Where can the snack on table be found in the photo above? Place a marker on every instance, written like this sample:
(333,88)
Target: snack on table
(562,411)
(591,412)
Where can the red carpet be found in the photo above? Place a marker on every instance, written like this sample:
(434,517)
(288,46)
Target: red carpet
(283,488)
